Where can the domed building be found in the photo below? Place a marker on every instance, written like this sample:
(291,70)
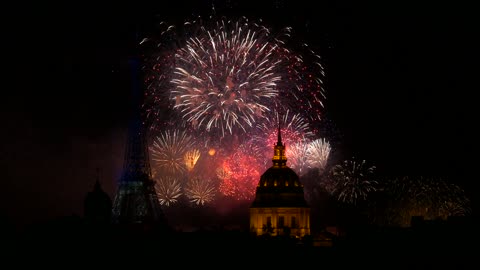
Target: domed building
(279,207)
(97,205)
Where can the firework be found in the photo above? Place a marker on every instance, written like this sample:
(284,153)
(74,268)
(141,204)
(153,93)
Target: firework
(327,183)
(423,196)
(200,191)
(168,151)
(191,157)
(249,147)
(456,202)
(353,181)
(242,180)
(222,173)
(229,84)
(293,126)
(317,154)
(295,131)
(297,155)
(227,75)
(240,173)
(168,190)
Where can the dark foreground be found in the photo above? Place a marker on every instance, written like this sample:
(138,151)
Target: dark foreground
(423,247)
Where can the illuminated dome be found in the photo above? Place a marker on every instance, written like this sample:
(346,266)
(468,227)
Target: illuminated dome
(279,186)
(279,179)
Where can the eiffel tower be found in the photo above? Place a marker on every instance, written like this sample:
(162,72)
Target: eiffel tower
(136,201)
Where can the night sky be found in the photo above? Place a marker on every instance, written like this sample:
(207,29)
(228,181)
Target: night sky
(397,80)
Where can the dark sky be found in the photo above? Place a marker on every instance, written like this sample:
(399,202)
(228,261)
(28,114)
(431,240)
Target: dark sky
(397,78)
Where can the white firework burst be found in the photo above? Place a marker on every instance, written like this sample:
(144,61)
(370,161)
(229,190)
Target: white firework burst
(168,151)
(318,153)
(168,190)
(353,181)
(200,191)
(297,155)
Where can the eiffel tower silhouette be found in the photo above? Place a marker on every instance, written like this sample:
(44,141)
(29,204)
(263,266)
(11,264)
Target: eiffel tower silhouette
(135,200)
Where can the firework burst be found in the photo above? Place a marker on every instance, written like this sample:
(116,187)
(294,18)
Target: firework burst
(297,155)
(168,151)
(225,78)
(240,173)
(200,191)
(227,75)
(168,190)
(317,154)
(353,181)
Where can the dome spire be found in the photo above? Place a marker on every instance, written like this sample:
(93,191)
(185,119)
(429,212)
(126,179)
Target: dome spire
(279,157)
(279,136)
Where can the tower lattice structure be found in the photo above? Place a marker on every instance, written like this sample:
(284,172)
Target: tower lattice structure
(135,200)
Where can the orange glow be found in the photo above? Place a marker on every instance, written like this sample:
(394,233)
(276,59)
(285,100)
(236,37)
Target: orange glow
(211,152)
(191,158)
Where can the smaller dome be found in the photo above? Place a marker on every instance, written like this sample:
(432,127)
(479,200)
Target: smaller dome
(98,205)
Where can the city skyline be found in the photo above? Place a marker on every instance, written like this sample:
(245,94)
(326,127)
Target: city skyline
(396,85)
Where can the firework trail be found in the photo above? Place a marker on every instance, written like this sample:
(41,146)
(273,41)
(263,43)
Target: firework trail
(168,190)
(200,191)
(353,181)
(225,79)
